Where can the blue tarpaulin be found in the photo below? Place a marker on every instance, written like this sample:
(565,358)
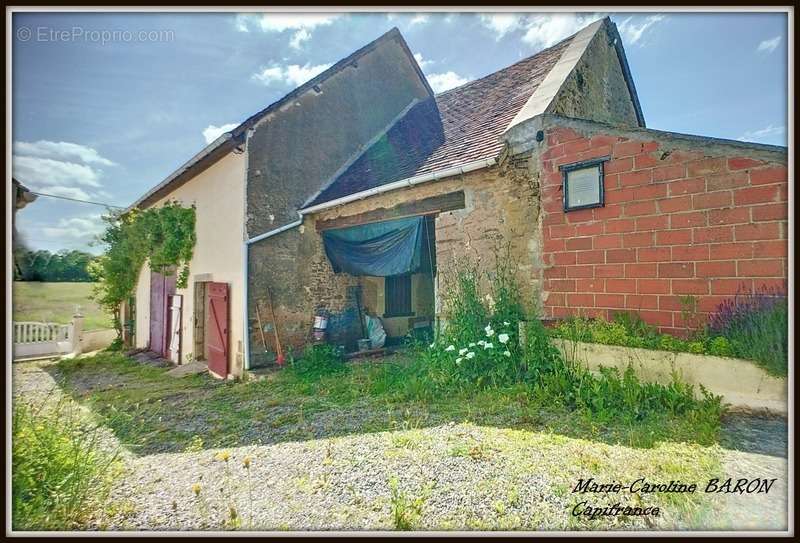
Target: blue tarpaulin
(379,249)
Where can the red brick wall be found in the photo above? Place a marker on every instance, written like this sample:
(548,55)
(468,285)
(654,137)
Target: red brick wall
(675,223)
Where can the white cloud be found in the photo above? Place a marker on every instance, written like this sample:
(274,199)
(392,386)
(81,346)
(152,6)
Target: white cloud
(294,74)
(445,81)
(39,172)
(299,38)
(302,24)
(60,150)
(541,30)
(769,134)
(279,22)
(419,18)
(270,75)
(83,227)
(421,61)
(59,168)
(633,32)
(546,30)
(212,132)
(501,23)
(769,45)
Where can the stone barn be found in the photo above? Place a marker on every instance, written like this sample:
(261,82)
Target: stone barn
(486,163)
(360,188)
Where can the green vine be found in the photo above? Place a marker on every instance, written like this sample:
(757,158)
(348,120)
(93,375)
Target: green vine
(163,235)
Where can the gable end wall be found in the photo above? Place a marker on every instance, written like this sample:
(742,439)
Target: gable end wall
(596,89)
(295,150)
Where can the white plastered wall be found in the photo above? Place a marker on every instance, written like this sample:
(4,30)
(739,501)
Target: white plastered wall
(218,195)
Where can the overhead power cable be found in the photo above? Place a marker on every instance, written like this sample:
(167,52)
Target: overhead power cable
(76,200)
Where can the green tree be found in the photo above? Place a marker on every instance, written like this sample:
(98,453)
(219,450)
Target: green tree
(164,236)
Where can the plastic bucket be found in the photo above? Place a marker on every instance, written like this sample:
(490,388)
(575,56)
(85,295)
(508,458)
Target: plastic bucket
(320,322)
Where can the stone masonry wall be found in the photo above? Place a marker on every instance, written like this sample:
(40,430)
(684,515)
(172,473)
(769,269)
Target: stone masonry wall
(501,204)
(683,217)
(596,89)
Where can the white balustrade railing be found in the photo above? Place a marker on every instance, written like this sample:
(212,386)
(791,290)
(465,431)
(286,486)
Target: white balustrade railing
(40,332)
(38,339)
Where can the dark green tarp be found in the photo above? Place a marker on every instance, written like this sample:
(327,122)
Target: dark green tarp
(379,249)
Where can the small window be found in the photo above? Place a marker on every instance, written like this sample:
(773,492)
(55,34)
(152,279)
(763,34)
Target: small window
(398,296)
(583,184)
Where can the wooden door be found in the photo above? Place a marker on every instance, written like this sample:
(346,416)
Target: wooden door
(216,332)
(161,287)
(175,313)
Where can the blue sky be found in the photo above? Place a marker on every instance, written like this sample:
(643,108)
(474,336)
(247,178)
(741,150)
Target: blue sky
(107,105)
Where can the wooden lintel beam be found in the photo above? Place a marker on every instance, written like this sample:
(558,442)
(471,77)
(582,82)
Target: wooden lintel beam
(426,206)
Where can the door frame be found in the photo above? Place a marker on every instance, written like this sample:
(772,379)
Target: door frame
(199,316)
(165,284)
(175,302)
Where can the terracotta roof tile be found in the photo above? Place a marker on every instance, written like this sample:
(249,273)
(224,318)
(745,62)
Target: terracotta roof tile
(458,126)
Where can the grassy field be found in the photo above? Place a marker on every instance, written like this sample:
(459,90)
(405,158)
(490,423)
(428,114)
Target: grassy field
(56,302)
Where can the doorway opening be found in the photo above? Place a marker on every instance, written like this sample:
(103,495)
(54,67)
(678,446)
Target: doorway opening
(395,263)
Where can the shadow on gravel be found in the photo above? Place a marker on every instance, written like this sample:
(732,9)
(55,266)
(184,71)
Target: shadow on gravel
(152,413)
(759,434)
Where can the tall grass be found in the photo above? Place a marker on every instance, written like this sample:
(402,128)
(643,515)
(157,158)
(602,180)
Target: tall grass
(60,475)
(480,349)
(479,357)
(629,330)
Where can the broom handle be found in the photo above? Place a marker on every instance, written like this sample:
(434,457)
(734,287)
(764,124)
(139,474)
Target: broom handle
(274,324)
(261,327)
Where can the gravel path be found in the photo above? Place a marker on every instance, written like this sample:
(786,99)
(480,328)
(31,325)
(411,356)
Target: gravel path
(451,476)
(756,446)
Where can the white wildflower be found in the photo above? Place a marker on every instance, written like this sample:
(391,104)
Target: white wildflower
(432,345)
(458,361)
(489,331)
(506,323)
(488,346)
(462,351)
(471,344)
(470,355)
(506,353)
(481,343)
(503,338)
(450,348)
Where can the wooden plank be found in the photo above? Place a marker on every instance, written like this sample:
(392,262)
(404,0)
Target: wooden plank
(426,206)
(365,354)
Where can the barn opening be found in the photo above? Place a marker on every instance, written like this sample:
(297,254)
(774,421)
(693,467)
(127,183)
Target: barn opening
(395,263)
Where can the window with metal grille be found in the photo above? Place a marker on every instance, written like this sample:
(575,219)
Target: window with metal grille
(398,296)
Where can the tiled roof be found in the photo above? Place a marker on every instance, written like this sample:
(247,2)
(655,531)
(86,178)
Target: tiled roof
(462,125)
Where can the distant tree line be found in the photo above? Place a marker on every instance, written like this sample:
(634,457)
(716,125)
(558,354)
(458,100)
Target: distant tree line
(61,266)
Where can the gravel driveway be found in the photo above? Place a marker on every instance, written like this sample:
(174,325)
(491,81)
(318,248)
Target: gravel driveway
(451,476)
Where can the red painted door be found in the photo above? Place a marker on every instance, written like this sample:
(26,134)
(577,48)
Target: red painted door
(217,328)
(161,288)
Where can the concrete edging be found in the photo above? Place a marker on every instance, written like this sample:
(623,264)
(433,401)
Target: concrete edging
(741,383)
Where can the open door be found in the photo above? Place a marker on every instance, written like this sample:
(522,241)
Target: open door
(161,288)
(175,313)
(216,332)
